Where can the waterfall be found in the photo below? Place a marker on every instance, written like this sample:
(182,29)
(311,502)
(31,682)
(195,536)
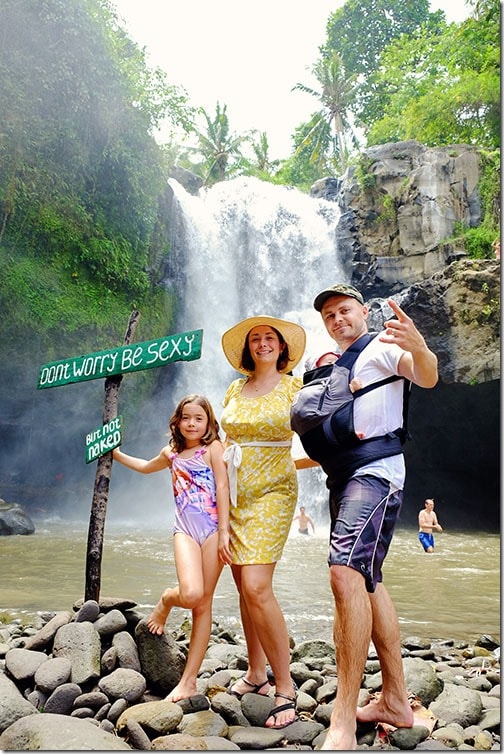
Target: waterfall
(245,247)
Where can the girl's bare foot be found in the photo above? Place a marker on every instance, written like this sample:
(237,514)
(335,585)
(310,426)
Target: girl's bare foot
(182,690)
(157,619)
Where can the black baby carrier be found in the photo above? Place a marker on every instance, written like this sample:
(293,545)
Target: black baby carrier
(322,416)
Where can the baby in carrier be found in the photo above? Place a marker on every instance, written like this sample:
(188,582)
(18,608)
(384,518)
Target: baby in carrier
(328,358)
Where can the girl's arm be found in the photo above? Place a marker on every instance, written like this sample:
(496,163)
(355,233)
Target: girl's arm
(219,468)
(158,463)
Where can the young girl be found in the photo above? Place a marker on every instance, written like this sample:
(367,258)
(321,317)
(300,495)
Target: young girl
(201,538)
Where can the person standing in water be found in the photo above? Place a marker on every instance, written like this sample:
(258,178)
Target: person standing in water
(427,524)
(304,520)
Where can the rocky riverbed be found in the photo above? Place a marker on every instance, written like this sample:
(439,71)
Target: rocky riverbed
(94,678)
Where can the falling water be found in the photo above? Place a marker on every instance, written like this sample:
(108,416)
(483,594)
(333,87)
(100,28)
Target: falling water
(247,247)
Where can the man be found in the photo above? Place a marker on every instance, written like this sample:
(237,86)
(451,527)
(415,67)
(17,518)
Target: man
(304,519)
(427,522)
(364,504)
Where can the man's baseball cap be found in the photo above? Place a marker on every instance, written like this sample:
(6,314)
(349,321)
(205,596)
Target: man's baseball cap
(340,289)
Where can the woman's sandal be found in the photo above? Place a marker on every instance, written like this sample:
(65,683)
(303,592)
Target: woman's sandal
(255,688)
(291,704)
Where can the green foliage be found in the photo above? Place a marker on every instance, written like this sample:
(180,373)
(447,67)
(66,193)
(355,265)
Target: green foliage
(326,136)
(359,32)
(50,300)
(260,166)
(364,174)
(220,148)
(477,241)
(489,189)
(82,178)
(439,86)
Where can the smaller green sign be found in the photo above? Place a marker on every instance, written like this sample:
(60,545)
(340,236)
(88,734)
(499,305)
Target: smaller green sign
(103,439)
(153,353)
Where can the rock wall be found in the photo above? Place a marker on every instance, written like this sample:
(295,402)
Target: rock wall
(399,207)
(395,222)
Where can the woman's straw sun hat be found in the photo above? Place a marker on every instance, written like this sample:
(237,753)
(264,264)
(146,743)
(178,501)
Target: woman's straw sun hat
(233,340)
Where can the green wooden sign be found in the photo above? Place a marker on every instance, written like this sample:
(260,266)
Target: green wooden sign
(152,353)
(105,438)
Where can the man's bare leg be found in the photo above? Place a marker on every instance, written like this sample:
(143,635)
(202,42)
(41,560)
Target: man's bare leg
(392,707)
(352,634)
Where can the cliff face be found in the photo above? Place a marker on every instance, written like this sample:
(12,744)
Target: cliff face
(399,207)
(392,235)
(458,311)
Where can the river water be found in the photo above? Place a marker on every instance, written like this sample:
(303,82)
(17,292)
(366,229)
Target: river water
(453,593)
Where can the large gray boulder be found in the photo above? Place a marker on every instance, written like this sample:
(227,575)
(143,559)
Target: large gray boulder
(14,519)
(80,643)
(458,311)
(13,705)
(161,659)
(58,733)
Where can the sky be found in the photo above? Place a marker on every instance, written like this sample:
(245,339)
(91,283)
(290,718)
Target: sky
(247,56)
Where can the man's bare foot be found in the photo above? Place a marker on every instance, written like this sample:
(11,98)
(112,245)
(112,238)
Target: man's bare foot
(335,741)
(157,619)
(182,690)
(401,716)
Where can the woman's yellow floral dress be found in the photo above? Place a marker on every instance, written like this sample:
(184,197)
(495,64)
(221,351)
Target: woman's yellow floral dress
(267,481)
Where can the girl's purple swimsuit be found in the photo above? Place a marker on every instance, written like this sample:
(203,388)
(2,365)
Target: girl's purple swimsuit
(195,497)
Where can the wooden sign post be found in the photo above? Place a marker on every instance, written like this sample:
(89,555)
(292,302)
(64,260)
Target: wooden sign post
(112,365)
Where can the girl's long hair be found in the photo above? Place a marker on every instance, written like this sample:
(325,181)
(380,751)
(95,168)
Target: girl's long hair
(177,441)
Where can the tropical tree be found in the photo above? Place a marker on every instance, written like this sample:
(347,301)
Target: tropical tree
(81,175)
(298,170)
(330,129)
(262,163)
(442,87)
(219,147)
(359,32)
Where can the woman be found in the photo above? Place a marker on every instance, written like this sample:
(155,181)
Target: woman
(263,492)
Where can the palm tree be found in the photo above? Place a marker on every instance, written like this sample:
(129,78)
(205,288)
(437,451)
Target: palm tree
(219,147)
(328,128)
(260,147)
